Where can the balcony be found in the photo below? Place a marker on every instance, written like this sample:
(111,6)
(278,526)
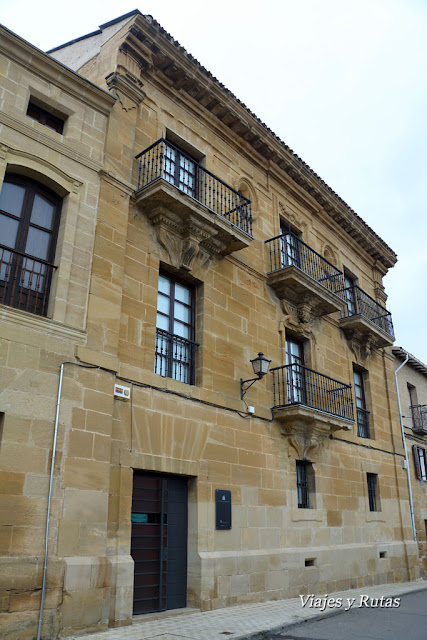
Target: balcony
(365,318)
(419,419)
(310,405)
(24,281)
(302,276)
(183,199)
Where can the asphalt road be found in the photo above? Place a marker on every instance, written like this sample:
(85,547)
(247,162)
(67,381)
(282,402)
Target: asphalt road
(407,622)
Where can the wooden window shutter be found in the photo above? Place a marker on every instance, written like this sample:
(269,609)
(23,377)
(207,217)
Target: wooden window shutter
(417,461)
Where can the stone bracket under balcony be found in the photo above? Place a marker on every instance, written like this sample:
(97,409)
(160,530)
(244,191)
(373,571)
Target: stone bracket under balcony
(363,335)
(307,427)
(188,231)
(309,296)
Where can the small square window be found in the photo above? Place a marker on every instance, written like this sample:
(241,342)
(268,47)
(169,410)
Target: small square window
(46,118)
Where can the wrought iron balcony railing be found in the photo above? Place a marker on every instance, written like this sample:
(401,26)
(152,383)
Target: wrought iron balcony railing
(419,418)
(175,357)
(362,423)
(288,250)
(163,160)
(295,384)
(358,302)
(24,281)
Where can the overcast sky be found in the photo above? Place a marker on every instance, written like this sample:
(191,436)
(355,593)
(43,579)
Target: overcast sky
(342,82)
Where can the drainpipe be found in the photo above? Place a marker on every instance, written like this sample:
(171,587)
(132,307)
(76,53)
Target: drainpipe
(49,502)
(411,504)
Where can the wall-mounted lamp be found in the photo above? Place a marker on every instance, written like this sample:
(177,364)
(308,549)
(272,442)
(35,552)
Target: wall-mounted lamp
(260,366)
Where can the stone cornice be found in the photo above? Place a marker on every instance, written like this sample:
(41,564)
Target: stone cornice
(43,65)
(163,58)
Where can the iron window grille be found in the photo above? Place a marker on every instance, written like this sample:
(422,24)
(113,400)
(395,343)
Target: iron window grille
(372,480)
(175,351)
(164,160)
(29,220)
(305,484)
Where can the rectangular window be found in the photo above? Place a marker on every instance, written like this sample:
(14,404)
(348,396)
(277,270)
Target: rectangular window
(361,411)
(305,484)
(289,246)
(175,346)
(372,480)
(45,117)
(420,461)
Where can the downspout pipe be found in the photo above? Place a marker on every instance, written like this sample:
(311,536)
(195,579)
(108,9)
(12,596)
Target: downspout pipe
(411,503)
(49,502)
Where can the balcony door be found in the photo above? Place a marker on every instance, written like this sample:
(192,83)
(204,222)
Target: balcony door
(296,387)
(289,247)
(350,295)
(29,218)
(180,170)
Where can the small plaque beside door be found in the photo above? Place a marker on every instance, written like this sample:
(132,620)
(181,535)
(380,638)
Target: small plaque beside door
(222,509)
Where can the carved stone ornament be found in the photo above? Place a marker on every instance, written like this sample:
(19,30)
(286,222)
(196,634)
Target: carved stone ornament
(362,345)
(187,246)
(307,428)
(126,86)
(298,318)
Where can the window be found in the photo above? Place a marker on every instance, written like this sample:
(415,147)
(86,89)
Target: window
(180,169)
(44,117)
(373,497)
(289,246)
(29,218)
(361,413)
(305,484)
(350,295)
(175,347)
(295,372)
(420,461)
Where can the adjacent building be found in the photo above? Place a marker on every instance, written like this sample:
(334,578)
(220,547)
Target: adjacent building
(412,382)
(155,236)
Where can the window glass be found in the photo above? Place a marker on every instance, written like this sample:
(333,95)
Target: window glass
(12,198)
(182,293)
(162,322)
(42,213)
(164,285)
(9,229)
(163,303)
(182,312)
(37,243)
(182,330)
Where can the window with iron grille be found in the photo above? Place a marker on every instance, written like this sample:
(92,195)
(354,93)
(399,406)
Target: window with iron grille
(373,497)
(362,413)
(29,219)
(305,484)
(45,117)
(175,354)
(420,461)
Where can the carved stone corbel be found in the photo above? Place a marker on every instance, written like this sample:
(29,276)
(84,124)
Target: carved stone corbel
(362,344)
(306,446)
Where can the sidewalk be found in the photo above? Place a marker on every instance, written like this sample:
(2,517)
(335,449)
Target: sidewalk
(243,622)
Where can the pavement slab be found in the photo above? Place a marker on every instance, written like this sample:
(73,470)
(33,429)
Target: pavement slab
(242,622)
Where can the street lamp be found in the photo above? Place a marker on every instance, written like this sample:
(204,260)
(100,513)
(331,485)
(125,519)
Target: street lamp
(260,366)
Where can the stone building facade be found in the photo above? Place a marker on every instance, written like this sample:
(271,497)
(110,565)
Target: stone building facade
(412,381)
(185,238)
